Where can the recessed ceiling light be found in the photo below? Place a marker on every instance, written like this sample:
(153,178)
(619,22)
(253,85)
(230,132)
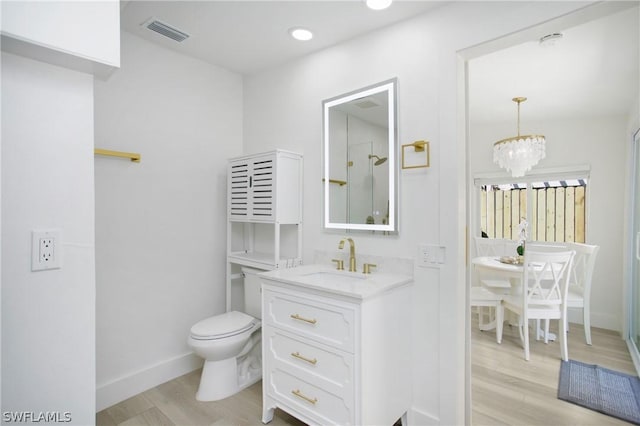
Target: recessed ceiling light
(301,34)
(378,4)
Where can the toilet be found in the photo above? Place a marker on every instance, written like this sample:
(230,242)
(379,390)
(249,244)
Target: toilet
(230,345)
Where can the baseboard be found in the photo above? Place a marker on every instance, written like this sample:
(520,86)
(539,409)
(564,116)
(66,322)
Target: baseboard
(417,417)
(606,321)
(120,389)
(598,319)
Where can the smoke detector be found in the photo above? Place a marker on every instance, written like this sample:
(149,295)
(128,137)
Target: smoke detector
(550,39)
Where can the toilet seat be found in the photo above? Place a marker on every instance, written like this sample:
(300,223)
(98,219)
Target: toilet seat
(224,325)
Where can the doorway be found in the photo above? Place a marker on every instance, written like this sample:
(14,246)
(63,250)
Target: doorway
(482,133)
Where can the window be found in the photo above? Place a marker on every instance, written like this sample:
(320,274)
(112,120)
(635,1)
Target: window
(554,206)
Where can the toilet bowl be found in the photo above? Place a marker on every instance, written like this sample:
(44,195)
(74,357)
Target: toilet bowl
(230,346)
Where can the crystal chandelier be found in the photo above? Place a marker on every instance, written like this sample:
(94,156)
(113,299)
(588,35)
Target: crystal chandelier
(519,153)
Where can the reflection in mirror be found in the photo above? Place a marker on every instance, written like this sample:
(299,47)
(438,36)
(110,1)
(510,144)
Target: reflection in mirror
(359,149)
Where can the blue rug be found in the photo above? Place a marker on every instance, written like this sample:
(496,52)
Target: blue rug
(600,389)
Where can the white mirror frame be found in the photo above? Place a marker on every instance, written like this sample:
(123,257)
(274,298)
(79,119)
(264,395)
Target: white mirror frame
(390,87)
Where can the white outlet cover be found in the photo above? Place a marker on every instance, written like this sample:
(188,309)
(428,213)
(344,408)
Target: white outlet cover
(46,249)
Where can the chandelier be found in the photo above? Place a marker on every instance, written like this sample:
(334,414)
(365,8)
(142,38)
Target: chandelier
(519,153)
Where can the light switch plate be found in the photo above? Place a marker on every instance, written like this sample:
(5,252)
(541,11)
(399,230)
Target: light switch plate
(46,249)
(431,255)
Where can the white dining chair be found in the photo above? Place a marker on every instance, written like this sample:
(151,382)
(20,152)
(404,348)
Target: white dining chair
(579,293)
(495,247)
(545,246)
(488,295)
(480,298)
(543,295)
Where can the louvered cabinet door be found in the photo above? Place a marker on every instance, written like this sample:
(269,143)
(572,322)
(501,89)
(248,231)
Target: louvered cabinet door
(238,193)
(262,189)
(266,188)
(251,189)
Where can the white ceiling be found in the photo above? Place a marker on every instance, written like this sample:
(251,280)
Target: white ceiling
(249,36)
(593,71)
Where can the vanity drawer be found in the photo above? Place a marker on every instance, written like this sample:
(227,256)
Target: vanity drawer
(309,359)
(327,323)
(309,399)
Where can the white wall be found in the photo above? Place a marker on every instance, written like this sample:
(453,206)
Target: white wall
(80,35)
(600,143)
(283,109)
(160,224)
(48,317)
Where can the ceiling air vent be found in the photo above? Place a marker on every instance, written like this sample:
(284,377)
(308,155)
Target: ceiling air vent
(166,30)
(365,103)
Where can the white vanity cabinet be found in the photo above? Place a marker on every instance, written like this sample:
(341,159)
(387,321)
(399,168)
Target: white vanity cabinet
(338,358)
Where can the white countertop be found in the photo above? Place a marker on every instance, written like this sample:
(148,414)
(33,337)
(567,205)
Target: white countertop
(326,278)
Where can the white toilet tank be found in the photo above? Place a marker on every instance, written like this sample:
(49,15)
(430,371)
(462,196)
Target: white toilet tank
(252,292)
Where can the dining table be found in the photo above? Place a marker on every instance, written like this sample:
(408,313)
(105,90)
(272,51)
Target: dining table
(504,269)
(495,267)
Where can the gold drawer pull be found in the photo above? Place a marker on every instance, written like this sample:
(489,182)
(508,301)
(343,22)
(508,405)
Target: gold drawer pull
(310,361)
(306,398)
(299,318)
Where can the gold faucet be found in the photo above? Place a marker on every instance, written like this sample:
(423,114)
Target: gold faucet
(352,253)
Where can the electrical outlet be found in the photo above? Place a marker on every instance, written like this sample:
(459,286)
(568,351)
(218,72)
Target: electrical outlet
(46,252)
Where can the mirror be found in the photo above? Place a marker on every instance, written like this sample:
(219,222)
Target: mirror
(359,153)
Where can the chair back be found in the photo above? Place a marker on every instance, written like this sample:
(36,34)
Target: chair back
(495,247)
(549,247)
(546,277)
(583,265)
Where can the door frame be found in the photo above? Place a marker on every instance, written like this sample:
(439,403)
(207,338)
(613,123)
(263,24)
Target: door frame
(631,262)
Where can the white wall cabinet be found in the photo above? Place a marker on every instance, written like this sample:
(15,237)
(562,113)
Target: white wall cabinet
(264,202)
(266,188)
(331,359)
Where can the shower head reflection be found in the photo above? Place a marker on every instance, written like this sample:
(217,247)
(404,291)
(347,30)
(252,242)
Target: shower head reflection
(379,160)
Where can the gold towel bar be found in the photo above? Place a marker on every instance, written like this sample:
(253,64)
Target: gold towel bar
(418,146)
(131,155)
(339,182)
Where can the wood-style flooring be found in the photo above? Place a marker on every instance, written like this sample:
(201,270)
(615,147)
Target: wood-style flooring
(174,404)
(506,389)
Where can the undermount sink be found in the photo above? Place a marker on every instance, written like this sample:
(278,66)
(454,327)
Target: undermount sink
(336,277)
(326,278)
